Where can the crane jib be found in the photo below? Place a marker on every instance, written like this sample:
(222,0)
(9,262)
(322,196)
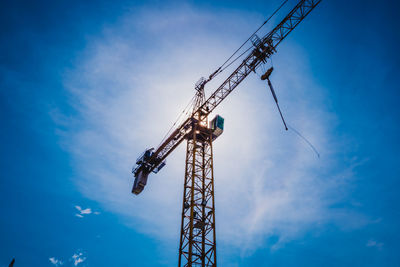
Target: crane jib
(257,56)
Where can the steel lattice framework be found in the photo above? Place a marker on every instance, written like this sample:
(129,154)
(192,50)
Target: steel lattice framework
(197,242)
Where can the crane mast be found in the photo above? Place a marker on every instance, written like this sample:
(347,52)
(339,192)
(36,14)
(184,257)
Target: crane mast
(198,241)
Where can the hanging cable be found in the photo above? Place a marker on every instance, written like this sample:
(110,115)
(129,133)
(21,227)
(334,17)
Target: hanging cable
(184,112)
(265,22)
(305,139)
(235,60)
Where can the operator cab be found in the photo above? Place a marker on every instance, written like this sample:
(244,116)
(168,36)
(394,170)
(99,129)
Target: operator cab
(217,126)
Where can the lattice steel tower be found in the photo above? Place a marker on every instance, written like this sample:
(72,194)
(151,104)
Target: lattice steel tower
(197,245)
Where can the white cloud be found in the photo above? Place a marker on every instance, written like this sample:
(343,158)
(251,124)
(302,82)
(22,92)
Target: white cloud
(374,243)
(128,87)
(55,261)
(86,211)
(83,211)
(78,258)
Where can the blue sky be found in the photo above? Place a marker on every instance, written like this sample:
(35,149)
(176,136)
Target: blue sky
(85,88)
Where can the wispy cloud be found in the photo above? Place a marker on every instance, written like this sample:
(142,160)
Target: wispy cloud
(268,182)
(78,258)
(375,244)
(55,261)
(83,211)
(86,211)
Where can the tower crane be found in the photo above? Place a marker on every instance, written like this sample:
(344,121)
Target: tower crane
(197,245)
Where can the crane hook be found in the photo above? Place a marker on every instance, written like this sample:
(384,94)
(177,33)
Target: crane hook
(265,76)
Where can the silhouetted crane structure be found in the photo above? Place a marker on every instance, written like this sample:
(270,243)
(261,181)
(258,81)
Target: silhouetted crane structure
(197,246)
